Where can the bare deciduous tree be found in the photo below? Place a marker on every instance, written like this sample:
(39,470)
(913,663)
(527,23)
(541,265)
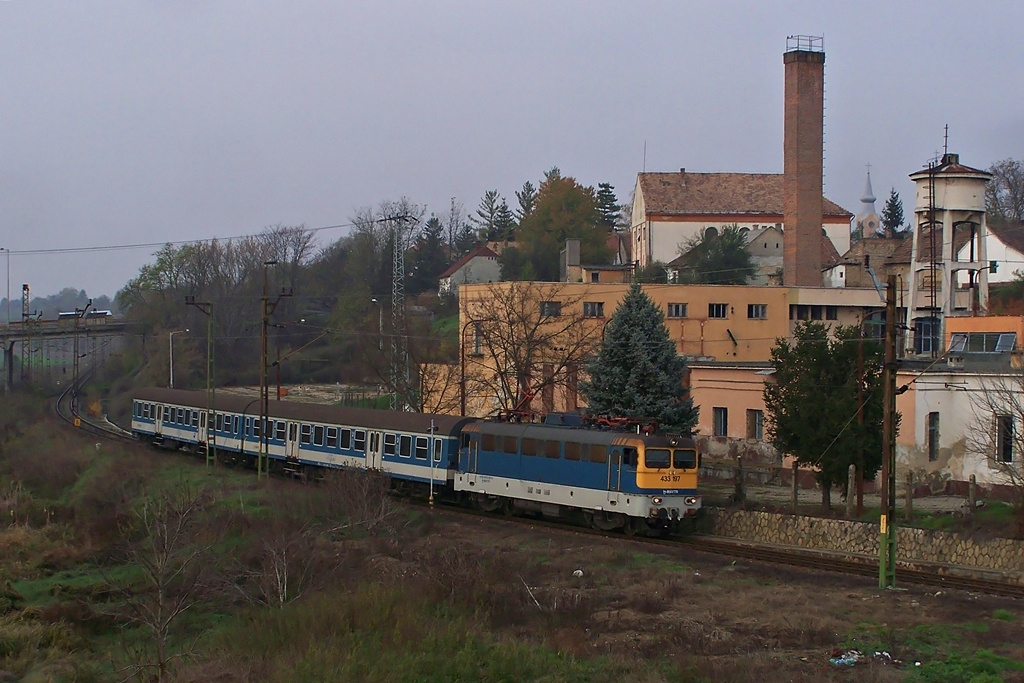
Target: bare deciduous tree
(997,433)
(523,337)
(1004,195)
(162,540)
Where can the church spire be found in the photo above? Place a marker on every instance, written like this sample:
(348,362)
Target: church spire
(867,219)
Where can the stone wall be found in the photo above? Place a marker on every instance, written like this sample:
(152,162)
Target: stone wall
(913,546)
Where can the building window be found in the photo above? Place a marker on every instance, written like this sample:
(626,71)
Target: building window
(933,436)
(831,313)
(718,310)
(926,335)
(550,308)
(478,339)
(720,416)
(983,342)
(755,424)
(595,277)
(677,310)
(757,311)
(1004,438)
(593,309)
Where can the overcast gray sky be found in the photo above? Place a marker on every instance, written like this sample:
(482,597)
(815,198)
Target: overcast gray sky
(146,121)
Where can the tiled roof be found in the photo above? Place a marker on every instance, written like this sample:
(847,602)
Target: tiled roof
(720,193)
(830,257)
(924,247)
(1010,234)
(482,250)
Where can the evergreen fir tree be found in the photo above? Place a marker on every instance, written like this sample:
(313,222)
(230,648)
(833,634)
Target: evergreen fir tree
(527,200)
(607,205)
(637,372)
(892,214)
(486,214)
(504,224)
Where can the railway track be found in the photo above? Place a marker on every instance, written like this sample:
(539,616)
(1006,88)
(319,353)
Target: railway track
(65,409)
(784,555)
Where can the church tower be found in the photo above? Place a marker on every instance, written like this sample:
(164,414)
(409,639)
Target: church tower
(867,223)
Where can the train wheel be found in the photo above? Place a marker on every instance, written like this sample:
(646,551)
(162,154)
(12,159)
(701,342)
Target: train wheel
(604,521)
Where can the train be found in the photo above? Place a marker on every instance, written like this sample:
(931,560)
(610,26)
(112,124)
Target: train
(634,481)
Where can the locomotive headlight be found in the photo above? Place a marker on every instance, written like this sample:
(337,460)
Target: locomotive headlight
(656,500)
(692,500)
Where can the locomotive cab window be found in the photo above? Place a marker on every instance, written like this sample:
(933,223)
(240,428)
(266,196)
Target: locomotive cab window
(684,458)
(657,458)
(465,440)
(630,456)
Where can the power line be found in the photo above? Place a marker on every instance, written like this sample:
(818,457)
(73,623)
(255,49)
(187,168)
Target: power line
(153,245)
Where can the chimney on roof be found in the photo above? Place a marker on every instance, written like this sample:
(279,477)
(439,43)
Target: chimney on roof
(803,149)
(950,158)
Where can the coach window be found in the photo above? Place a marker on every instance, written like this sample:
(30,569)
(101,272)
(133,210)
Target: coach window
(359,440)
(346,439)
(318,435)
(195,418)
(390,444)
(529,447)
(405,446)
(511,445)
(257,430)
(438,443)
(305,434)
(422,448)
(552,449)
(487,442)
(572,451)
(657,458)
(280,430)
(332,437)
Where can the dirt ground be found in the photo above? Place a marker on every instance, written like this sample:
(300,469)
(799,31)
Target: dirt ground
(731,620)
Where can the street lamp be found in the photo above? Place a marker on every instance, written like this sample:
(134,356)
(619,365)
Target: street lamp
(380,323)
(170,356)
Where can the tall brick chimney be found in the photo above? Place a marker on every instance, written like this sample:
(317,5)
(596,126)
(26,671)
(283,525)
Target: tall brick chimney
(803,148)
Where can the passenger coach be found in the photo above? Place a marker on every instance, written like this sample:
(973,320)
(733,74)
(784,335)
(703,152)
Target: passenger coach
(412,447)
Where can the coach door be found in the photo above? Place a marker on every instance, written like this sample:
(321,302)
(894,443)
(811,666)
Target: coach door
(615,469)
(158,423)
(373,457)
(472,458)
(291,447)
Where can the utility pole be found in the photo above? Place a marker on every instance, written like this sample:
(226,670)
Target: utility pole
(211,387)
(263,462)
(887,521)
(79,314)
